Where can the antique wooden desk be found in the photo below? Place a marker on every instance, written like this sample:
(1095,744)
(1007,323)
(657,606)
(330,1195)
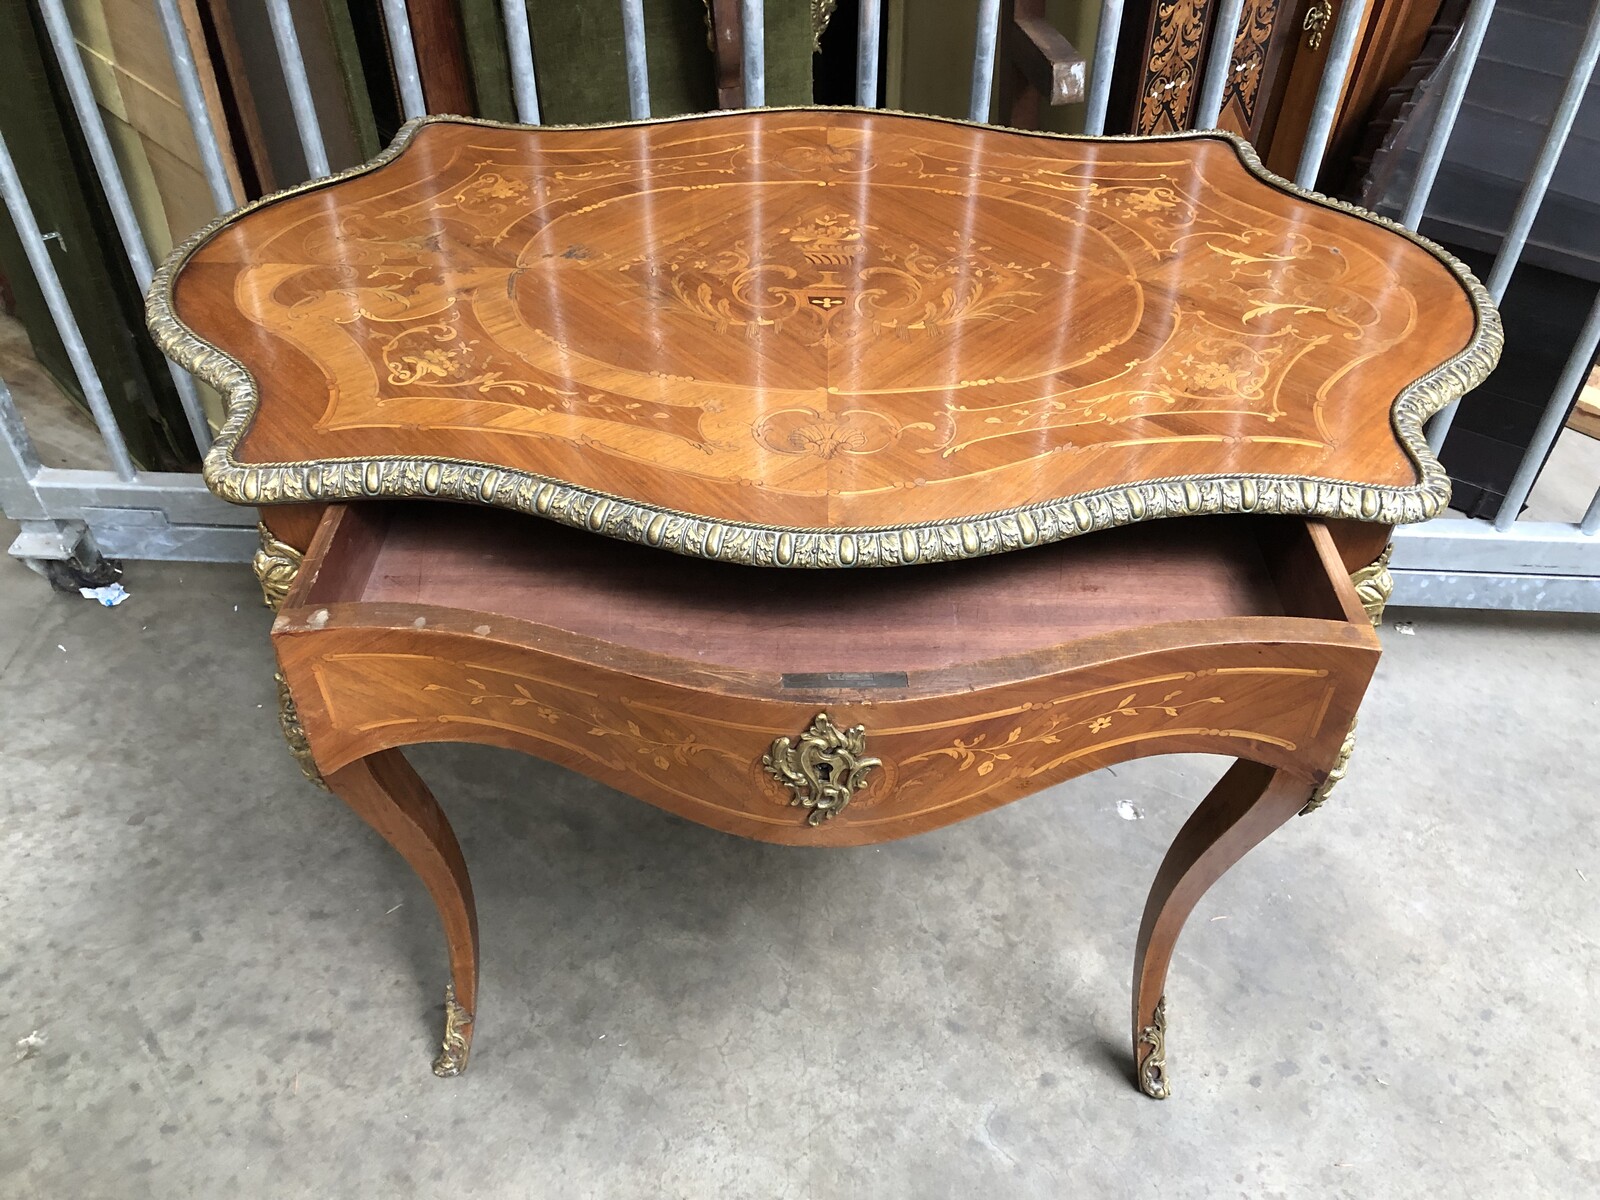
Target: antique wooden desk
(686,381)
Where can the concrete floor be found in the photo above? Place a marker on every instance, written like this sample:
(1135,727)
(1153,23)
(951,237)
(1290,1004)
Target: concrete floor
(235,986)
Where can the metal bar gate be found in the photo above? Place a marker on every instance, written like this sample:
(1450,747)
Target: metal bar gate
(73,516)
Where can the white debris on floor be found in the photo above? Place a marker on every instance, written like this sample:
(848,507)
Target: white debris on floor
(28,1046)
(111,595)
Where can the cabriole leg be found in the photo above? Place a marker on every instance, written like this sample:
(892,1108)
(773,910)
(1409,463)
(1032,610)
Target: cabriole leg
(390,797)
(1248,803)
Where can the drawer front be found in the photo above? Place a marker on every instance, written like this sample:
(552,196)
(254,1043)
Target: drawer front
(716,758)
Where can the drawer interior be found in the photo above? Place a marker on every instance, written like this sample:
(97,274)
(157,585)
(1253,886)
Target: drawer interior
(821,624)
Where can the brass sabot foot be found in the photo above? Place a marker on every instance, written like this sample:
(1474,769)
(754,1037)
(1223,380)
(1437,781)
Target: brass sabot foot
(452,1058)
(1153,1068)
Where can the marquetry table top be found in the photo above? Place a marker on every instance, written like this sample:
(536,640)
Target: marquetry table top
(824,337)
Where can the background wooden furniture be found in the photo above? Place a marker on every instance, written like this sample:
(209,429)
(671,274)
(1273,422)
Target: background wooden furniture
(53,162)
(1038,66)
(1276,61)
(824,339)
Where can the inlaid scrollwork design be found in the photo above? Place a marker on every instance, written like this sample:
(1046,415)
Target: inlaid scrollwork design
(1250,47)
(1172,67)
(757,542)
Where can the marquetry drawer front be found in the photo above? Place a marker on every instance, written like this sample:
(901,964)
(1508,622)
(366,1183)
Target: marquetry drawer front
(827,769)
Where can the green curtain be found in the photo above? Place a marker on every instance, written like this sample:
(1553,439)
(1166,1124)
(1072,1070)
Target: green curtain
(485,34)
(579,60)
(582,72)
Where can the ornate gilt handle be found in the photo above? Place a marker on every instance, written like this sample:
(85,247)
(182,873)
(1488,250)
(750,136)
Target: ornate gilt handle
(1318,17)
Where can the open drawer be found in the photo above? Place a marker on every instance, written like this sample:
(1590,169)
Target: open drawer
(973,682)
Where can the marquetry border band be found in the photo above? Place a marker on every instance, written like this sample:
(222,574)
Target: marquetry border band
(775,546)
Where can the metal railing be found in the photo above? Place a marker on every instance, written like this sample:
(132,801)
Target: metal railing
(68,515)
(1511,564)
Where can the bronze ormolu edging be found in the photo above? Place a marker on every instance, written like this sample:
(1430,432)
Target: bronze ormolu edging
(1341,765)
(776,546)
(295,733)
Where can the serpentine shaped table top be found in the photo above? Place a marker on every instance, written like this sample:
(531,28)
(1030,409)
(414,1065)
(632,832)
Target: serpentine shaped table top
(824,337)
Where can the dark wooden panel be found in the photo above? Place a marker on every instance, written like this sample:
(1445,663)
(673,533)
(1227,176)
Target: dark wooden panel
(441,56)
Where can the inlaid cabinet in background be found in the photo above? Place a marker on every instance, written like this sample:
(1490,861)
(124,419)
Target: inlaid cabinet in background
(1275,64)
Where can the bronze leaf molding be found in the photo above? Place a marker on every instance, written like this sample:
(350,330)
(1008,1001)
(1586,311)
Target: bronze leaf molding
(339,479)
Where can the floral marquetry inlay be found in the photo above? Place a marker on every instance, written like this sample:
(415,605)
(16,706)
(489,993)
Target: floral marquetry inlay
(1132,714)
(843,281)
(824,337)
(646,739)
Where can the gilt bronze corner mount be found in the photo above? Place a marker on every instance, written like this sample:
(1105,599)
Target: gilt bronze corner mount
(1374,584)
(276,564)
(294,733)
(1335,774)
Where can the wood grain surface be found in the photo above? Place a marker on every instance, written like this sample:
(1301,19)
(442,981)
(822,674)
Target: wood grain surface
(1028,669)
(823,319)
(969,685)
